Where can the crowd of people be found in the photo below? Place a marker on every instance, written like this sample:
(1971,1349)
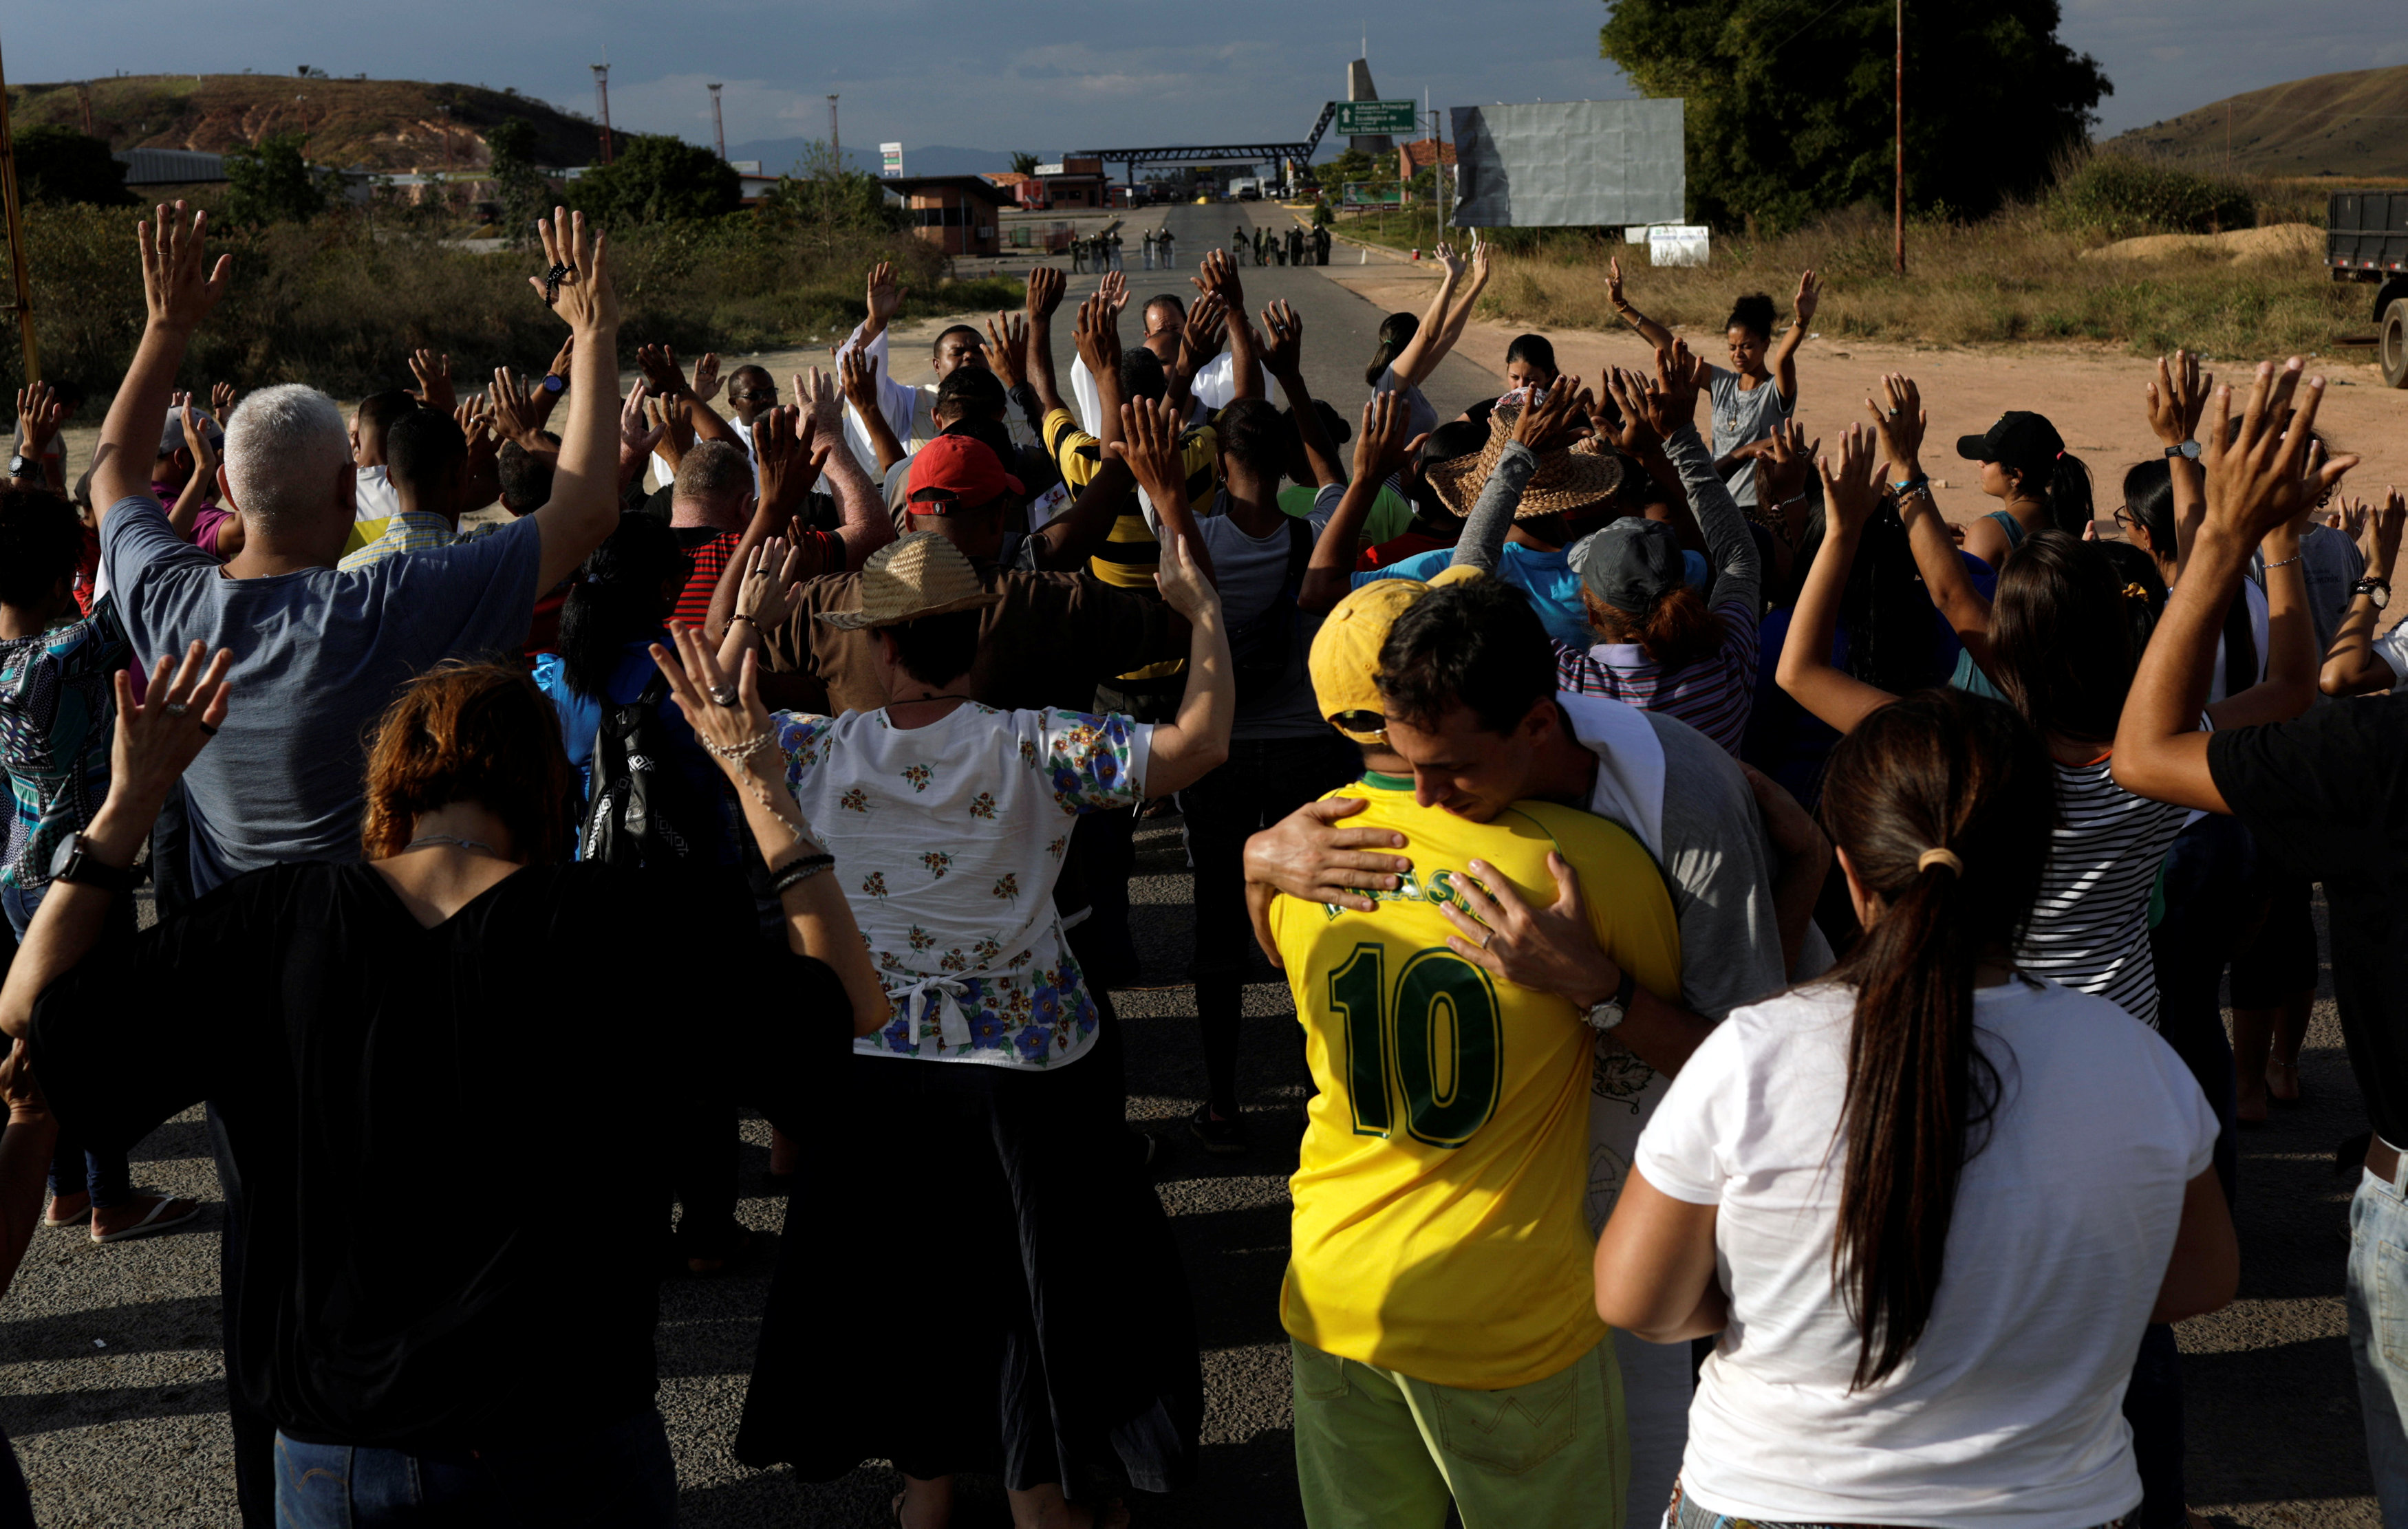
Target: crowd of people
(1757,947)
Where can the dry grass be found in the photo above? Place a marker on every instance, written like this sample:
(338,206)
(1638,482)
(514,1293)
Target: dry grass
(2012,277)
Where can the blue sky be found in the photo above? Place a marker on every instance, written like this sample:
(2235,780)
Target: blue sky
(1066,74)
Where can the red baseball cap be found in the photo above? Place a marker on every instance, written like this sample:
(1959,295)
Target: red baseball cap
(958,470)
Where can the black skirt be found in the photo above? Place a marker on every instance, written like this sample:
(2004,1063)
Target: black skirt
(980,1277)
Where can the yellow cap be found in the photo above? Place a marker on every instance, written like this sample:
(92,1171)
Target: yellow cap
(1344,662)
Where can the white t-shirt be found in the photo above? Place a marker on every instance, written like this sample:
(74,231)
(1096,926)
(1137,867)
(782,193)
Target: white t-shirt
(1251,573)
(2392,648)
(2008,1411)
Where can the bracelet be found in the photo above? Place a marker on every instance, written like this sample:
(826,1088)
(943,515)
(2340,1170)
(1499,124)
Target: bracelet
(741,616)
(2284,564)
(1911,485)
(794,873)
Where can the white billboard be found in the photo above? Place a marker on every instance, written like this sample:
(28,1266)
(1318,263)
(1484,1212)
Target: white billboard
(1581,163)
(891,157)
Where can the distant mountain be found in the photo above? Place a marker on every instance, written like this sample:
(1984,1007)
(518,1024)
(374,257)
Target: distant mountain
(2349,126)
(385,124)
(777,155)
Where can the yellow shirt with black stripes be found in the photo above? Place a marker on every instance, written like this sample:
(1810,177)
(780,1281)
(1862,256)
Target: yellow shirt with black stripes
(1131,552)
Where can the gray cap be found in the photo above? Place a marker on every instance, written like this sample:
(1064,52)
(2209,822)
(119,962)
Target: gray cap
(1633,562)
(171,439)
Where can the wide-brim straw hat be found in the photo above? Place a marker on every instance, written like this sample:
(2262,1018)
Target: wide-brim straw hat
(1567,478)
(918,575)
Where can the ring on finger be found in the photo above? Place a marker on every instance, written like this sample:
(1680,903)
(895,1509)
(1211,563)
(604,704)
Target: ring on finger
(723,695)
(175,709)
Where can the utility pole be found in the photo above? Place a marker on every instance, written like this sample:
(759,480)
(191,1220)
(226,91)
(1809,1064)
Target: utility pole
(1898,83)
(718,129)
(10,213)
(836,146)
(602,95)
(83,93)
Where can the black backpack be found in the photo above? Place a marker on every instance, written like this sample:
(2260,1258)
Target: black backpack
(1261,650)
(643,814)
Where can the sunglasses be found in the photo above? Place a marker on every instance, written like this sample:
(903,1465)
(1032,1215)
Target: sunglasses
(1369,724)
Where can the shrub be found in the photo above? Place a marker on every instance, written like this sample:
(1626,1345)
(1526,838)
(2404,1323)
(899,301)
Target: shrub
(2119,196)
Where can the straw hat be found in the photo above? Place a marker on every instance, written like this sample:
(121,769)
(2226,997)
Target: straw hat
(1567,478)
(920,575)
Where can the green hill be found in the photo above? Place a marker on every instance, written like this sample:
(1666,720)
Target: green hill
(382,124)
(2350,126)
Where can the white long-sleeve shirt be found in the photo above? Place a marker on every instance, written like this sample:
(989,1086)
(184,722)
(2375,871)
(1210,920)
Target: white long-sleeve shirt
(911,412)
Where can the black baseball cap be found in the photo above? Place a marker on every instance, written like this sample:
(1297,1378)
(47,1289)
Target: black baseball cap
(1633,562)
(2021,439)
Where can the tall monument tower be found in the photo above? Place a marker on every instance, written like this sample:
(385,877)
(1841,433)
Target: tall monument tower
(1359,88)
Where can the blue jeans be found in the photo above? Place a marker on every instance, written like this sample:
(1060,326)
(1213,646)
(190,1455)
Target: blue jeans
(614,1477)
(107,1177)
(2378,1334)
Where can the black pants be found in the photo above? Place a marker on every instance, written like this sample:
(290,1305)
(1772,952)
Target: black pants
(1262,781)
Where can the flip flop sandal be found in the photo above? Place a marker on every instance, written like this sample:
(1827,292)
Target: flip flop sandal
(160,1220)
(50,1219)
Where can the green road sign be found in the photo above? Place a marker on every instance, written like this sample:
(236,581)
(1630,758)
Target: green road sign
(1368,119)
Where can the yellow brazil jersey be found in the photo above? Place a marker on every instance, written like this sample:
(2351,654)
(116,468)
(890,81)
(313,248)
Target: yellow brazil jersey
(1439,1228)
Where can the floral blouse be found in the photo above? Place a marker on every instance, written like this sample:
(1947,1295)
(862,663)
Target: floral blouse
(948,839)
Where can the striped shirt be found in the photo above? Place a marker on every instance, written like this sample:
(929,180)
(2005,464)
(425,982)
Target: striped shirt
(1132,552)
(710,547)
(2090,928)
(411,530)
(1716,695)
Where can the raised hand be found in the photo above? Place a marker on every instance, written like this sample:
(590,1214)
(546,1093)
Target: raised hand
(1184,588)
(1149,444)
(178,287)
(1850,492)
(196,440)
(857,373)
(2259,473)
(1613,280)
(884,295)
(222,400)
(183,706)
(1284,354)
(782,449)
(638,431)
(706,376)
(1380,446)
(1045,285)
(771,583)
(662,373)
(1448,260)
(513,408)
(1898,424)
(1097,334)
(1218,275)
(1809,297)
(1555,419)
(39,415)
(584,296)
(1635,434)
(562,357)
(1481,253)
(2380,540)
(1679,376)
(1008,349)
(1791,459)
(2178,397)
(1114,290)
(816,391)
(432,371)
(1202,336)
(725,714)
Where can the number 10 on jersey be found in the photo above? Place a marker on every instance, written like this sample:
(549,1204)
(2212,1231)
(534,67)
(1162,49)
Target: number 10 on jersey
(1430,1043)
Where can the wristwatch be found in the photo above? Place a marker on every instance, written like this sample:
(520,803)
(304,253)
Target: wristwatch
(554,382)
(21,466)
(2368,588)
(74,863)
(2188,450)
(1606,1016)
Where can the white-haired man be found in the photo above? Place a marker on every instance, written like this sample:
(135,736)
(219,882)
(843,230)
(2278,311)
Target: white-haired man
(318,651)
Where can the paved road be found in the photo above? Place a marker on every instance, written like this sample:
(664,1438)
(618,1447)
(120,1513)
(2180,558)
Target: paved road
(111,1385)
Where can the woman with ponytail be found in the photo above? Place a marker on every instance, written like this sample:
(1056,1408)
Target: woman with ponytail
(1928,1203)
(1410,348)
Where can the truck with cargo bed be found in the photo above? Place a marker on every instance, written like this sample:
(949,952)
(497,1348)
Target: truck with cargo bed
(2366,241)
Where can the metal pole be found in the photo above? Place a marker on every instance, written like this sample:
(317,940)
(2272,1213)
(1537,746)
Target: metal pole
(9,211)
(836,145)
(83,93)
(602,99)
(1899,85)
(718,128)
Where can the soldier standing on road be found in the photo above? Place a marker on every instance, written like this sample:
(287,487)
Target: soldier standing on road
(1149,248)
(1237,244)
(1170,257)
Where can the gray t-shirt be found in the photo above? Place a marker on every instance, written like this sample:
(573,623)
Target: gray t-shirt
(1741,416)
(1251,573)
(318,656)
